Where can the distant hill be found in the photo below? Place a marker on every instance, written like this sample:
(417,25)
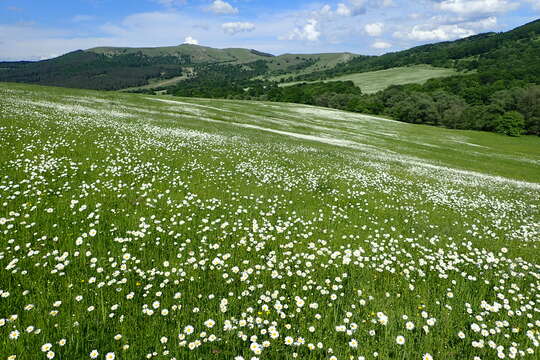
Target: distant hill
(114,68)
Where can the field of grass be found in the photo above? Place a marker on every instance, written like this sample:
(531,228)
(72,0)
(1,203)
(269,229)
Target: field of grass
(320,62)
(137,227)
(373,81)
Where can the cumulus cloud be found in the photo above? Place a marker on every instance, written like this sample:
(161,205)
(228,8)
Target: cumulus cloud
(477,7)
(233,28)
(438,33)
(343,10)
(352,8)
(308,32)
(191,41)
(374,29)
(381,45)
(487,23)
(443,28)
(222,7)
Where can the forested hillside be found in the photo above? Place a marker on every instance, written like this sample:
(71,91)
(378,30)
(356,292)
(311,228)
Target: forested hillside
(89,70)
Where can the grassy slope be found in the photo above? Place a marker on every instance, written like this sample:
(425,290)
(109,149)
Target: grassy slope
(180,204)
(373,81)
(322,61)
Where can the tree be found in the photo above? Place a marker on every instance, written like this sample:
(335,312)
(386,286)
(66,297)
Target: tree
(528,104)
(449,107)
(510,123)
(416,108)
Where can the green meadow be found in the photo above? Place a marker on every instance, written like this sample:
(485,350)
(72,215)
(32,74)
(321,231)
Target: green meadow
(374,81)
(147,227)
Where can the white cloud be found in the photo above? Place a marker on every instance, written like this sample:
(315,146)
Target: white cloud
(477,7)
(381,45)
(352,8)
(487,23)
(325,10)
(444,28)
(308,32)
(374,29)
(343,10)
(437,33)
(233,28)
(222,7)
(191,41)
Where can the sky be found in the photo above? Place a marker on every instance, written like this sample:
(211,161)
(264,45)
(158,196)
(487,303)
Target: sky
(36,29)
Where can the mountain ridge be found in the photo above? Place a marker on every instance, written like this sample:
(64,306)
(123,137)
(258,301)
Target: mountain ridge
(203,52)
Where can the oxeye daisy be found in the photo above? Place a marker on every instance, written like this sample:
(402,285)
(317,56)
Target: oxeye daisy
(209,323)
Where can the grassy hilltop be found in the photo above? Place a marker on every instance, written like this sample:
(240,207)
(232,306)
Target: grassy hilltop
(139,227)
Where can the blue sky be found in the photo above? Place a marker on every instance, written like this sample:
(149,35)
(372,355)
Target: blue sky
(35,29)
